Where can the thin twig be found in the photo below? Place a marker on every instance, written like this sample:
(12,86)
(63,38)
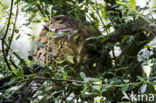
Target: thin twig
(8,85)
(114,57)
(56,79)
(12,62)
(83,82)
(12,34)
(3,39)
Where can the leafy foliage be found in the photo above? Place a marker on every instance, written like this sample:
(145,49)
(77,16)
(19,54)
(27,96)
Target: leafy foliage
(117,24)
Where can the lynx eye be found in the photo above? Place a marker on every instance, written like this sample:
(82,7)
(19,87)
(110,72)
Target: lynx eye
(77,38)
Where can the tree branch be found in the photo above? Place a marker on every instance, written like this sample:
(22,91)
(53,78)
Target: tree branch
(12,34)
(4,37)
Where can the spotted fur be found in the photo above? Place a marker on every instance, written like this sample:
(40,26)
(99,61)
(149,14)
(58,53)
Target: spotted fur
(63,40)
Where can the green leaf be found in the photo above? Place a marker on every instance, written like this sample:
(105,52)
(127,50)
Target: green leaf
(125,38)
(96,87)
(143,88)
(82,74)
(121,3)
(106,88)
(16,2)
(40,44)
(9,38)
(18,37)
(26,24)
(140,78)
(90,38)
(28,62)
(64,76)
(105,39)
(89,79)
(29,34)
(84,91)
(14,70)
(154,4)
(132,3)
(16,31)
(115,80)
(124,87)
(44,19)
(20,73)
